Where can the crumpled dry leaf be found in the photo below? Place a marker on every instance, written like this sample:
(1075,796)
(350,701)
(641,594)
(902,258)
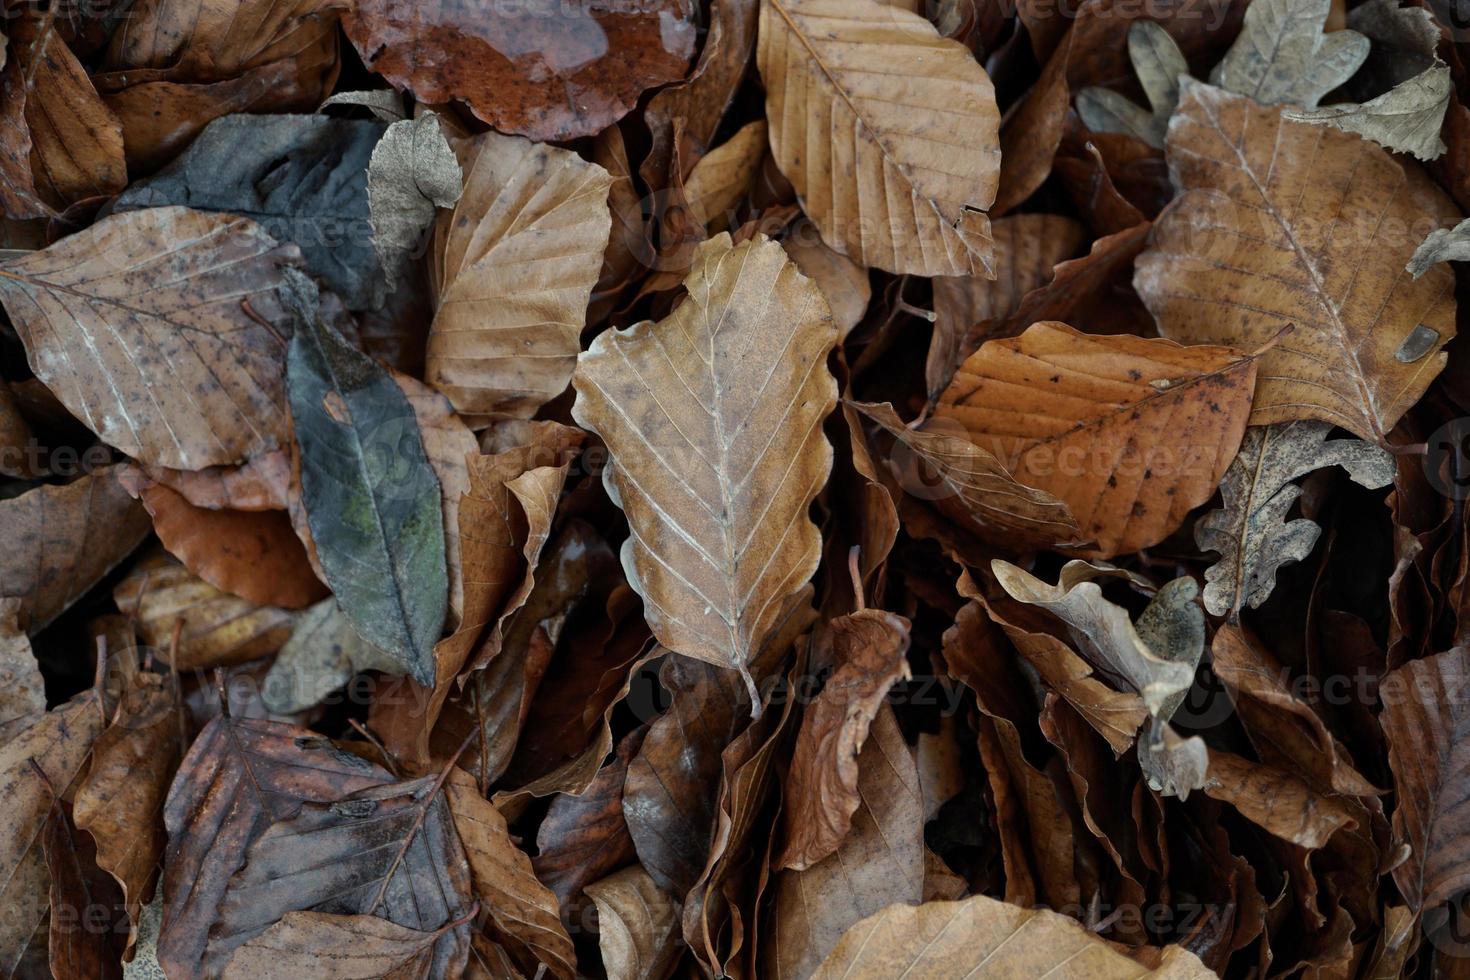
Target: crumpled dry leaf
(822,789)
(413,172)
(982,934)
(1251,533)
(854,90)
(1158,62)
(709,479)
(513,266)
(1131,433)
(638,926)
(1406,118)
(1366,341)
(841,280)
(172,310)
(1104,631)
(722,176)
(1441,245)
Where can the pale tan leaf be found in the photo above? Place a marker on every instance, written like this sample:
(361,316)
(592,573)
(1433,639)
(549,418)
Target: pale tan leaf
(334,947)
(638,925)
(888,132)
(970,486)
(139,325)
(1251,533)
(1131,433)
(1282,55)
(1027,249)
(218,628)
(982,937)
(1103,630)
(61,540)
(1273,230)
(723,176)
(513,266)
(713,417)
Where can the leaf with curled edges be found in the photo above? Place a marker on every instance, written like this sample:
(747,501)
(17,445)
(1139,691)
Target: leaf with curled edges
(1282,56)
(1158,63)
(713,417)
(136,324)
(638,926)
(372,500)
(1110,639)
(412,173)
(888,132)
(1250,532)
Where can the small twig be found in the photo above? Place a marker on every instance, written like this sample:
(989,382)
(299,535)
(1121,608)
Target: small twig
(372,739)
(250,311)
(99,677)
(853,555)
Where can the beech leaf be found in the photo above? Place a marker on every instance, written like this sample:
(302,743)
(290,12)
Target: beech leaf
(713,419)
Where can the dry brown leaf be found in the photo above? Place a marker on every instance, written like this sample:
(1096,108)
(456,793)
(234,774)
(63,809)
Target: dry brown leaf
(44,759)
(822,788)
(1425,720)
(261,483)
(1027,249)
(522,912)
(218,628)
(970,486)
(713,419)
(252,554)
(334,947)
(120,800)
(880,863)
(722,177)
(841,280)
(211,40)
(637,926)
(1131,433)
(983,937)
(513,266)
(888,132)
(137,324)
(62,540)
(1303,225)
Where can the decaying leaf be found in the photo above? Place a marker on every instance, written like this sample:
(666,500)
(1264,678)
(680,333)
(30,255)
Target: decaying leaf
(1130,433)
(160,357)
(321,655)
(1251,533)
(865,103)
(413,172)
(1441,245)
(713,417)
(22,689)
(1250,247)
(371,498)
(1282,55)
(334,947)
(1406,118)
(638,925)
(1104,631)
(513,266)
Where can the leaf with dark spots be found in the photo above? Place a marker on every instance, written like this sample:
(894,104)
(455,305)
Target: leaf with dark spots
(371,498)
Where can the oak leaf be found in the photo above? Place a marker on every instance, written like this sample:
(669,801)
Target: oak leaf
(713,419)
(1131,433)
(1251,246)
(864,102)
(1251,533)
(1282,55)
(1158,62)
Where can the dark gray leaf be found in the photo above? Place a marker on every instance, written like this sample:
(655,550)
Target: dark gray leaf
(302,178)
(372,500)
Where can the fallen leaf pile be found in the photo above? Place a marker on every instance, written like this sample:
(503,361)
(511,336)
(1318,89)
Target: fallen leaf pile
(734,489)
